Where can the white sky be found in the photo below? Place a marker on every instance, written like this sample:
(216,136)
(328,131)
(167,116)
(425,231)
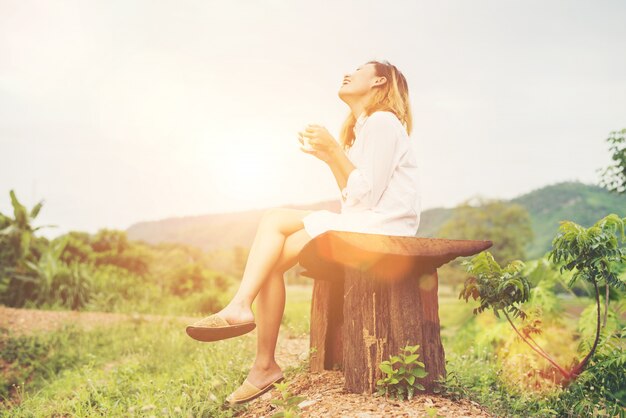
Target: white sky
(117,112)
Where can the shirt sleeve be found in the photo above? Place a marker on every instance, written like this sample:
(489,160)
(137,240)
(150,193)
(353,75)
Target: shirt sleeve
(375,159)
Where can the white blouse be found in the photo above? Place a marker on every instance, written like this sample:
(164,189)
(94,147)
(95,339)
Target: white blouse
(382,193)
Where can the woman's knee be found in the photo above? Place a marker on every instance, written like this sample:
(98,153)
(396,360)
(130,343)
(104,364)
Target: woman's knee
(272,214)
(291,250)
(285,220)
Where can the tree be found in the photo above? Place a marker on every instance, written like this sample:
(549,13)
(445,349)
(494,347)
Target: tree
(613,178)
(506,224)
(594,254)
(77,247)
(111,246)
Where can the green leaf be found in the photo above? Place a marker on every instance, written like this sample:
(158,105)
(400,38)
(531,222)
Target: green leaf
(386,368)
(413,348)
(411,358)
(419,372)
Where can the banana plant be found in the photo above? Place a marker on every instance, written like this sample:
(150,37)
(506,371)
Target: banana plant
(17,246)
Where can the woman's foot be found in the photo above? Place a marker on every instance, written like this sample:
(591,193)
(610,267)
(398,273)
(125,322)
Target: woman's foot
(261,376)
(235,313)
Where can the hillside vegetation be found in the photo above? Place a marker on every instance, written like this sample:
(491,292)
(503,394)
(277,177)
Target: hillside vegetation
(575,201)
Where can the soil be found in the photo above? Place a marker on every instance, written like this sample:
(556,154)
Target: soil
(323,393)
(325,397)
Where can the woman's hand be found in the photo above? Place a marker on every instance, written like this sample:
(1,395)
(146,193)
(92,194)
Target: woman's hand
(321,143)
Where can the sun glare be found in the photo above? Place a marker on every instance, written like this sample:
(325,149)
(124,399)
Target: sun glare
(245,174)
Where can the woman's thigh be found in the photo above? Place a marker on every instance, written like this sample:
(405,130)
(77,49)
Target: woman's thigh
(286,220)
(292,247)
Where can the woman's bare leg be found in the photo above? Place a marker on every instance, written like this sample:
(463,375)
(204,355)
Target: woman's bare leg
(270,304)
(267,247)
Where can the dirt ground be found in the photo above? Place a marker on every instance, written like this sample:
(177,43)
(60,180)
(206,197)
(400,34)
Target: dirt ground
(323,392)
(325,397)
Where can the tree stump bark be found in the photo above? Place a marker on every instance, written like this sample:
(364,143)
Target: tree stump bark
(373,294)
(326,335)
(381,318)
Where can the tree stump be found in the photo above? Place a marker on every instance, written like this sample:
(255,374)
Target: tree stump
(373,294)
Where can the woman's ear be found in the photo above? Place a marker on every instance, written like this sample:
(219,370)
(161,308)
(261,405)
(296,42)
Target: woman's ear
(380,81)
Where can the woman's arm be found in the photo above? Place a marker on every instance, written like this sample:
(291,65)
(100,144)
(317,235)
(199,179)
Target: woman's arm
(341,166)
(363,179)
(375,156)
(327,149)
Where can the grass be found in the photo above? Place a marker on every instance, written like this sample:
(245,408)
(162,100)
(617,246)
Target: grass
(297,317)
(136,368)
(132,368)
(140,368)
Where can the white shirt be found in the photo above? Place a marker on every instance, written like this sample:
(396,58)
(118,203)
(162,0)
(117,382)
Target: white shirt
(382,193)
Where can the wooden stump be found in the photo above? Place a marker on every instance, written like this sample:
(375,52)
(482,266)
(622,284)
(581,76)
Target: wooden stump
(372,295)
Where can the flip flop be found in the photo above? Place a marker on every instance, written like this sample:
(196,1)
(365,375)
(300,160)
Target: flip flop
(215,328)
(247,392)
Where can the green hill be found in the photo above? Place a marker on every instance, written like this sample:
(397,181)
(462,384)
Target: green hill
(578,202)
(573,201)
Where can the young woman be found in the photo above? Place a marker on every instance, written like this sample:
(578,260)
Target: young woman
(376,171)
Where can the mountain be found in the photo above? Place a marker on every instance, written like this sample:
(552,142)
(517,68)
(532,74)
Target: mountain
(575,201)
(212,231)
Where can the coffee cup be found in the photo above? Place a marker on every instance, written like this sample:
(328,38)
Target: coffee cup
(306,145)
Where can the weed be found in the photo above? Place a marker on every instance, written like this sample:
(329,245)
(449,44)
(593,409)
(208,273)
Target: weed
(402,381)
(288,403)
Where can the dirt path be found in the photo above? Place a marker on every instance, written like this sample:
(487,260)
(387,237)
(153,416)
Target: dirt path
(32,321)
(324,393)
(289,351)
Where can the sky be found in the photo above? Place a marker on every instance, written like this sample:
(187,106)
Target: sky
(118,112)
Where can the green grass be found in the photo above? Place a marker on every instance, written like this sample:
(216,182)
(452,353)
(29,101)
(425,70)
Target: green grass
(141,368)
(135,368)
(297,316)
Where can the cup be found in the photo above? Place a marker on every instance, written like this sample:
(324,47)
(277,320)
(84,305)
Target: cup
(306,145)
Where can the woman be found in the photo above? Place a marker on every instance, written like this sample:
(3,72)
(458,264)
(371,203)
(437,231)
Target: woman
(376,171)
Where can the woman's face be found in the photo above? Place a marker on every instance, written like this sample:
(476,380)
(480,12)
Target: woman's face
(360,82)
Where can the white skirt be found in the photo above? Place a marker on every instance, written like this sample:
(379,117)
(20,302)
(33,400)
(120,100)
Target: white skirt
(320,221)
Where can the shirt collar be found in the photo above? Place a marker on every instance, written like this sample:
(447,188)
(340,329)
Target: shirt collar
(359,122)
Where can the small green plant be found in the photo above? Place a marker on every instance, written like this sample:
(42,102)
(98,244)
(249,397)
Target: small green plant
(432,412)
(288,403)
(402,381)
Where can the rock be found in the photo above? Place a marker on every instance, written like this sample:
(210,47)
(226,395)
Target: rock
(308,402)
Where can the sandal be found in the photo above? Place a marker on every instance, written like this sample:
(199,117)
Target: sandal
(214,328)
(247,392)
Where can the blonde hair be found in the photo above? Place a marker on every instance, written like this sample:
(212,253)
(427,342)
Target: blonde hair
(392,96)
